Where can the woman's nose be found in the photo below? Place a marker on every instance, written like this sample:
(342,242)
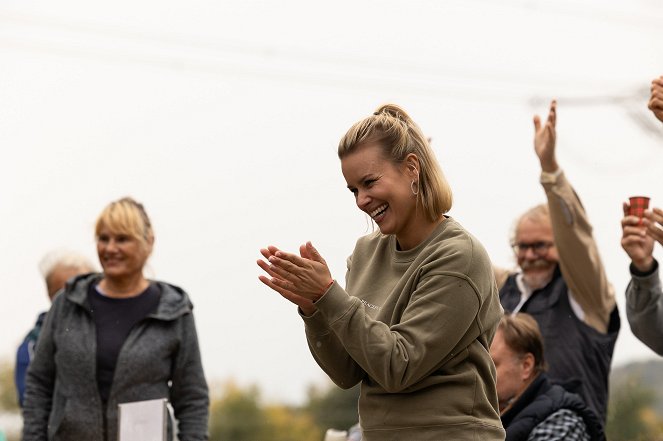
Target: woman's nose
(363,199)
(111,245)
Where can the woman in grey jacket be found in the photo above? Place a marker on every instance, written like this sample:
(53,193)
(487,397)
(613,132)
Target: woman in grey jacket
(114,338)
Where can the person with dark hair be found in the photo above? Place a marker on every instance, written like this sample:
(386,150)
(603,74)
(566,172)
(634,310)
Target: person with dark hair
(420,307)
(531,407)
(561,281)
(644,296)
(56,268)
(114,338)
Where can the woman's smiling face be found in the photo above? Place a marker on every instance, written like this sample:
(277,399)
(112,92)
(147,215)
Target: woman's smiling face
(382,189)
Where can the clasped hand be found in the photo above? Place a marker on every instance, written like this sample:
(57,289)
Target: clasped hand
(301,279)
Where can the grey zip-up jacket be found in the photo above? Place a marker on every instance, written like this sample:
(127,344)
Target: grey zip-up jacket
(159,359)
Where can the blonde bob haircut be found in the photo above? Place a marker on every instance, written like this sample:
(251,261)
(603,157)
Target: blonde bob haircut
(126,216)
(392,129)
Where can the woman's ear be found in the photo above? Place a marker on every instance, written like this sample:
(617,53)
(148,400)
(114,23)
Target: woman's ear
(412,165)
(150,244)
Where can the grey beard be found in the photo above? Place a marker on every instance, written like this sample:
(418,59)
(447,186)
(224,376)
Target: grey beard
(538,281)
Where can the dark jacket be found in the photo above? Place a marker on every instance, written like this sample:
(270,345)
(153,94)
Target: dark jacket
(540,400)
(159,359)
(576,353)
(24,356)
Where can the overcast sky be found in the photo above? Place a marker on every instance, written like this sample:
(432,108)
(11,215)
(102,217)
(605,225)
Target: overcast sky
(223,119)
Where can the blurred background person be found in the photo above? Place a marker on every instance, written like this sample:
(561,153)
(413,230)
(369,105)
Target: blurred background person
(56,268)
(420,307)
(531,407)
(561,281)
(113,338)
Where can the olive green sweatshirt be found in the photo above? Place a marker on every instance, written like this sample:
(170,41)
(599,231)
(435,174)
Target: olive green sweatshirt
(414,327)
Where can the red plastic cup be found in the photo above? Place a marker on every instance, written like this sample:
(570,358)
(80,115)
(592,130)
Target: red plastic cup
(638,205)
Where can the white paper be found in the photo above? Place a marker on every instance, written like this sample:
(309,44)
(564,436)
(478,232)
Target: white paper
(142,420)
(336,435)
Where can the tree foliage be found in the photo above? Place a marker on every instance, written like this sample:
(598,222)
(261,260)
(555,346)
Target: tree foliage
(630,414)
(286,424)
(334,407)
(8,398)
(237,416)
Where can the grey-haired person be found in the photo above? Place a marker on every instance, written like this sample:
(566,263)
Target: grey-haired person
(561,280)
(56,268)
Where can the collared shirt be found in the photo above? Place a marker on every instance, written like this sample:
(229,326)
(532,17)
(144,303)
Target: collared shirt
(526,293)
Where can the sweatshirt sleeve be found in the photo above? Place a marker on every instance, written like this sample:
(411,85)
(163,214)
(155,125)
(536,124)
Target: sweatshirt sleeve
(440,317)
(40,380)
(189,395)
(644,309)
(329,352)
(579,258)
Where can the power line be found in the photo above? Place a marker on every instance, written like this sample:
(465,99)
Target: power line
(349,72)
(336,60)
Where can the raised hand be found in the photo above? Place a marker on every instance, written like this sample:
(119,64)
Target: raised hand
(544,140)
(656,100)
(637,243)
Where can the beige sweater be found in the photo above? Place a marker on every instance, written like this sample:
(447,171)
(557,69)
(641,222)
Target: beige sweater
(414,327)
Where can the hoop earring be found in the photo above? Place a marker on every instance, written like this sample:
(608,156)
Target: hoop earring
(414,186)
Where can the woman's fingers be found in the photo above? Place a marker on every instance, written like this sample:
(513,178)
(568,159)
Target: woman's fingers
(276,285)
(313,252)
(276,271)
(289,261)
(280,287)
(305,276)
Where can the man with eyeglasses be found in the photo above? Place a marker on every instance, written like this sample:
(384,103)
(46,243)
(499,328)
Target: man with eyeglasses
(562,283)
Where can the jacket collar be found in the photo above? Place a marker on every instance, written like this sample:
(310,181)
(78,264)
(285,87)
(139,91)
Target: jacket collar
(173,304)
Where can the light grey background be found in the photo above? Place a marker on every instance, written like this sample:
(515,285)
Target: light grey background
(223,119)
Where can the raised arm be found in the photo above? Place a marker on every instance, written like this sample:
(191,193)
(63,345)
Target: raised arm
(644,298)
(579,259)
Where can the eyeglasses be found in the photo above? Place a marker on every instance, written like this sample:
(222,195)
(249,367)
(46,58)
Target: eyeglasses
(538,248)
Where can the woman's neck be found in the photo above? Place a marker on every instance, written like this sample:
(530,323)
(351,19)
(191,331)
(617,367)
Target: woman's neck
(123,287)
(417,233)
